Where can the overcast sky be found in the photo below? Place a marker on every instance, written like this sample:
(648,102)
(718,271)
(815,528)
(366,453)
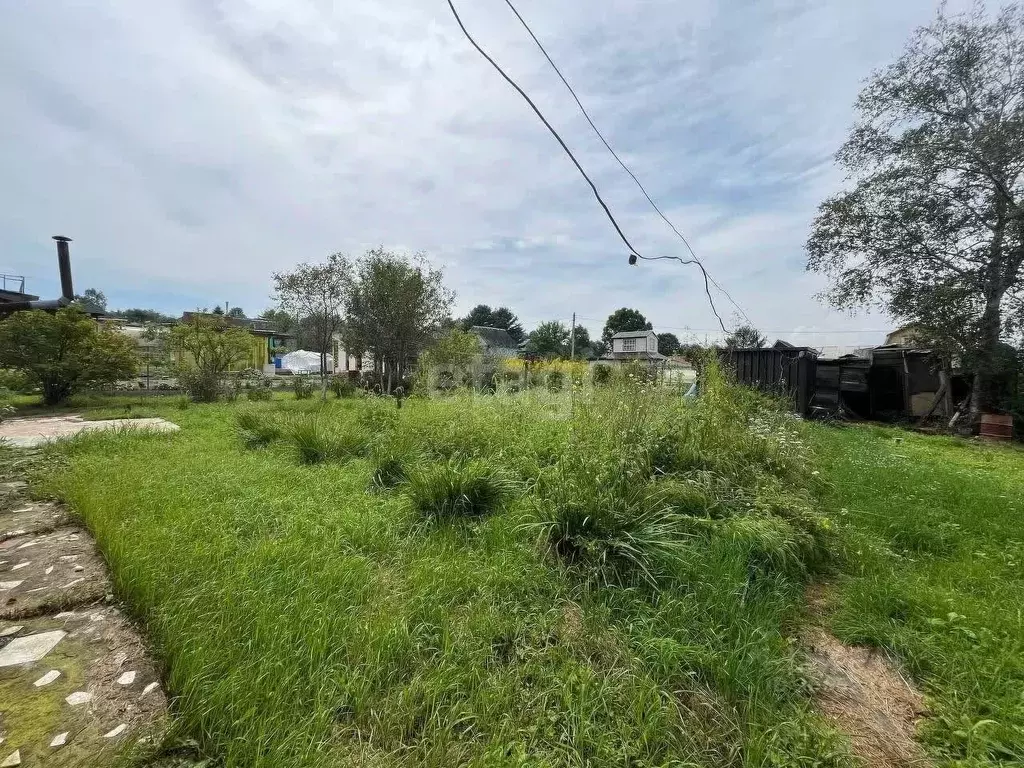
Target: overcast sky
(192,147)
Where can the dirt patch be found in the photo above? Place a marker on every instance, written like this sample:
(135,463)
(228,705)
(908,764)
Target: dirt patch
(867,698)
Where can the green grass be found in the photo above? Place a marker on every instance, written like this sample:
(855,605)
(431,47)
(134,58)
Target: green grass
(303,620)
(935,574)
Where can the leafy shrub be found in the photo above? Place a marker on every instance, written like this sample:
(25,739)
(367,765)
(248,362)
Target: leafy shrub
(555,381)
(260,394)
(602,375)
(457,489)
(256,429)
(343,386)
(203,386)
(15,381)
(315,440)
(302,386)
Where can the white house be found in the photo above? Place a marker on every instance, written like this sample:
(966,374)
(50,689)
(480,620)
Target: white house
(628,346)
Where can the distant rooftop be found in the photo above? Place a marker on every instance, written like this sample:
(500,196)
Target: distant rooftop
(632,334)
(495,337)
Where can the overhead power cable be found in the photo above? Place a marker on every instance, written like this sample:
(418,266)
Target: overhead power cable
(620,161)
(634,254)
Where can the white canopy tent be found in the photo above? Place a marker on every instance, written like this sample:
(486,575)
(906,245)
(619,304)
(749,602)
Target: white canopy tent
(304,361)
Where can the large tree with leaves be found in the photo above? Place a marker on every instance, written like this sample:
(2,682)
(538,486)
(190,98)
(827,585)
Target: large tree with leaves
(549,340)
(745,337)
(65,352)
(624,319)
(395,308)
(932,229)
(315,295)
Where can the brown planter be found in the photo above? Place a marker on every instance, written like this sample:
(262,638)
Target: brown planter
(996,426)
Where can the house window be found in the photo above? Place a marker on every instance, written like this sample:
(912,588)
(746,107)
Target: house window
(629,345)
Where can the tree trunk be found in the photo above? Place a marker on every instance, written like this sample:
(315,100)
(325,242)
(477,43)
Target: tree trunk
(983,393)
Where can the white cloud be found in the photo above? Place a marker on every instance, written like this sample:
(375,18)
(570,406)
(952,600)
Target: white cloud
(192,147)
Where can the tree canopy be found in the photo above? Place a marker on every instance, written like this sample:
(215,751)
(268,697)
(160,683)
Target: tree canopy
(208,347)
(624,319)
(745,337)
(65,352)
(395,307)
(92,300)
(502,317)
(549,340)
(932,230)
(316,294)
(668,343)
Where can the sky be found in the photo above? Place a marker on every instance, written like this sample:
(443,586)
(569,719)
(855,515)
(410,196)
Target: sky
(193,147)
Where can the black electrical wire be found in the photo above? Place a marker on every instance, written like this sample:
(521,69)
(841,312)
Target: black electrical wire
(633,251)
(620,161)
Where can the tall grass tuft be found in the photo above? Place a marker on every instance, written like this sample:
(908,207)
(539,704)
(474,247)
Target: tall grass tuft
(257,429)
(456,489)
(316,439)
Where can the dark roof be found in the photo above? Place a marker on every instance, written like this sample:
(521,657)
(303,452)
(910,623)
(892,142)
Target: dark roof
(638,355)
(255,325)
(495,337)
(632,334)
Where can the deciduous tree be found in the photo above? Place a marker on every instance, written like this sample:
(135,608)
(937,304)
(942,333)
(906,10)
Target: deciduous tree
(395,307)
(65,352)
(745,337)
(315,295)
(549,340)
(932,229)
(207,347)
(668,343)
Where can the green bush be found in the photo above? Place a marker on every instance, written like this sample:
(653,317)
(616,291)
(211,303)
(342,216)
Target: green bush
(555,381)
(260,393)
(15,381)
(257,429)
(201,385)
(456,489)
(302,386)
(601,375)
(343,386)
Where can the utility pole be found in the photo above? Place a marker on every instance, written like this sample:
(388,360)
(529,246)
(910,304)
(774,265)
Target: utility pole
(572,338)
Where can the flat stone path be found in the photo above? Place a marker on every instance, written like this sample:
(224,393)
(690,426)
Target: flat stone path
(77,685)
(36,430)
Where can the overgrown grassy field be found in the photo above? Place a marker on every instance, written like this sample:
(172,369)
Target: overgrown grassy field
(540,579)
(935,574)
(609,578)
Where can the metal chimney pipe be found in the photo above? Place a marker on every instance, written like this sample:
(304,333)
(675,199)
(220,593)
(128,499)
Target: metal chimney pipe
(67,290)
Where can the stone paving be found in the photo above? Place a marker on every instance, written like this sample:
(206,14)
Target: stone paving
(77,686)
(37,430)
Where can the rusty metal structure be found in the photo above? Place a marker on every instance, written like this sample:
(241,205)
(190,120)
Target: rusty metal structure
(67,289)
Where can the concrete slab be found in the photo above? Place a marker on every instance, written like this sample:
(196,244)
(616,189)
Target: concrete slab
(24,650)
(31,517)
(35,431)
(65,569)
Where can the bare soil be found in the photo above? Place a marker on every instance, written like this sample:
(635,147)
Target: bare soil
(866,697)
